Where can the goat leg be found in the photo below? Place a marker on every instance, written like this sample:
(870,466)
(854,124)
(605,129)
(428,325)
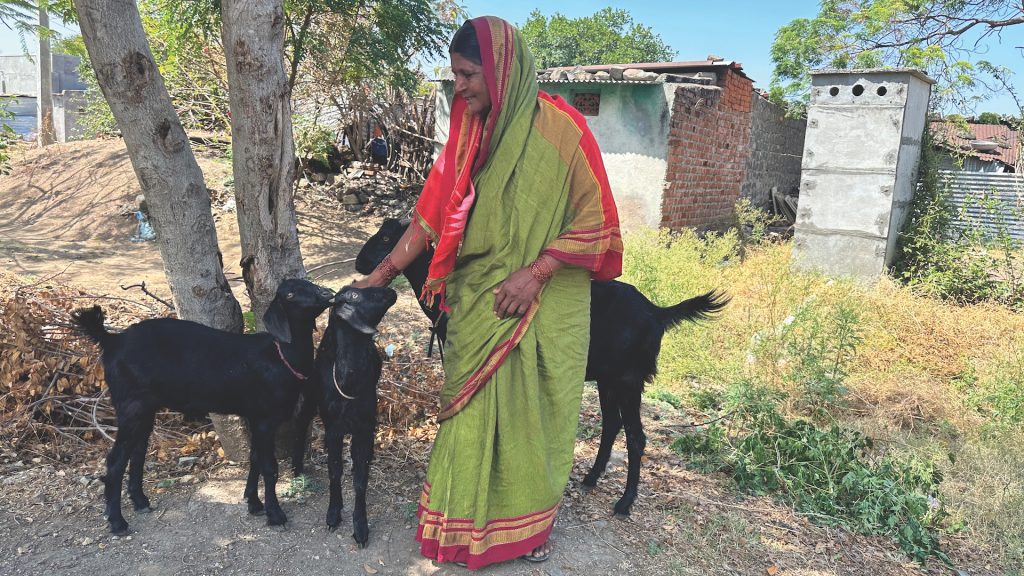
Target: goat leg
(636,442)
(137,464)
(362,454)
(117,461)
(335,440)
(302,420)
(611,423)
(251,494)
(263,438)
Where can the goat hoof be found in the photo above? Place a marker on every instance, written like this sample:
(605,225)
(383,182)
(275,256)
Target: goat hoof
(333,520)
(276,518)
(622,510)
(118,527)
(361,543)
(144,509)
(255,507)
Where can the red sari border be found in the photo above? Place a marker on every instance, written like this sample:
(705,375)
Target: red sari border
(434,528)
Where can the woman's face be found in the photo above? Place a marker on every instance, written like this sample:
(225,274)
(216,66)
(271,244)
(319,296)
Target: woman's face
(470,84)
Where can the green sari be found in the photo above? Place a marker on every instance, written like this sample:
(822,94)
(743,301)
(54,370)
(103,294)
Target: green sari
(512,390)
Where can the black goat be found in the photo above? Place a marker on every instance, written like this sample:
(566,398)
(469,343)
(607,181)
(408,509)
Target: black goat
(195,369)
(625,338)
(348,368)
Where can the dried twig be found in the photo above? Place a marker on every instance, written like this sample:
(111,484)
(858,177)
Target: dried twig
(142,286)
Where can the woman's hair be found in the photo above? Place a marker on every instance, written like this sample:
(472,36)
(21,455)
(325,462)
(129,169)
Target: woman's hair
(465,43)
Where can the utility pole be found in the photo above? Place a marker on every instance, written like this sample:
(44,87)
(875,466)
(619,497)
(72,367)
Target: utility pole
(44,103)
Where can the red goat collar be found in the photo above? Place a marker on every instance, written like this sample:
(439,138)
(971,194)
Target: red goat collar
(295,372)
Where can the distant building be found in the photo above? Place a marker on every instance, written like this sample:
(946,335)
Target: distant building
(682,142)
(978,147)
(19,81)
(19,74)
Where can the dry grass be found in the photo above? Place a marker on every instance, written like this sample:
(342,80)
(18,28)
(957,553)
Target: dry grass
(913,381)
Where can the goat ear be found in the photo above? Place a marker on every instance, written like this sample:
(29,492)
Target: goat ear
(276,321)
(348,313)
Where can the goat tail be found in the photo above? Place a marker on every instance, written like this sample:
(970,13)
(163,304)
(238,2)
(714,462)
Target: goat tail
(703,307)
(89,323)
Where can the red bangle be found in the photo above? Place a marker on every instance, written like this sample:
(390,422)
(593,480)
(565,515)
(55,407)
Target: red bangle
(540,270)
(388,270)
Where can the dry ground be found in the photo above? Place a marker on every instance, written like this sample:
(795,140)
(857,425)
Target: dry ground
(65,212)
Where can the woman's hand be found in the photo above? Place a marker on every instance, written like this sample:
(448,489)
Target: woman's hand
(365,282)
(514,296)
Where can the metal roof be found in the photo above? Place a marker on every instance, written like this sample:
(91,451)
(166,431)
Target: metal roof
(1008,151)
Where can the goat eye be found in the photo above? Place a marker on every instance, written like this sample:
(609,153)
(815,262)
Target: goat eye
(386,239)
(290,295)
(353,296)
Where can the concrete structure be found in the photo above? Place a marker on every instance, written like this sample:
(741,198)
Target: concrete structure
(632,129)
(19,75)
(68,107)
(859,168)
(676,138)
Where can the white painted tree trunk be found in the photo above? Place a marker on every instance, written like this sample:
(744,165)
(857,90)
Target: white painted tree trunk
(44,104)
(263,152)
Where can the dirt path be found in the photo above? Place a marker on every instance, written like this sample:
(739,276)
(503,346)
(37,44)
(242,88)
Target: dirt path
(66,212)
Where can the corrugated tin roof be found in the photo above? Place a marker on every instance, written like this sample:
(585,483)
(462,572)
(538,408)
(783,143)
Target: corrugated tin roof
(952,136)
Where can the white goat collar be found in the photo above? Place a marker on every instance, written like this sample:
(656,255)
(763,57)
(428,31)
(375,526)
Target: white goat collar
(334,376)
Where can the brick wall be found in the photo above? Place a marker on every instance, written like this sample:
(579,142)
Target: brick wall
(776,148)
(708,148)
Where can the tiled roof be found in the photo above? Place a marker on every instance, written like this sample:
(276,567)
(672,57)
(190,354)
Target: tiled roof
(951,136)
(664,67)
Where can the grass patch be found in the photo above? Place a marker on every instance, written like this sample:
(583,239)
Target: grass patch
(861,378)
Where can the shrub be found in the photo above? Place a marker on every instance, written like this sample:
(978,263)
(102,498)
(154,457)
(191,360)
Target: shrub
(970,265)
(832,475)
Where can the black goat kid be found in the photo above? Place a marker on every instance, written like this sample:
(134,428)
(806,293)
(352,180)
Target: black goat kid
(348,368)
(625,338)
(195,369)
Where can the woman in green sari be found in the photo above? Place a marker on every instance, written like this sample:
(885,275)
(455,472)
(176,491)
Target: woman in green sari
(521,217)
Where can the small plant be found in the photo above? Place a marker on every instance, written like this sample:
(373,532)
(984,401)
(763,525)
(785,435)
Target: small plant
(665,396)
(752,224)
(706,400)
(811,350)
(833,475)
(313,141)
(999,394)
(7,137)
(820,347)
(249,322)
(702,448)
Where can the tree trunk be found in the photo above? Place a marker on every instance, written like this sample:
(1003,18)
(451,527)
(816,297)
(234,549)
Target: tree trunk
(44,105)
(263,155)
(179,203)
(262,146)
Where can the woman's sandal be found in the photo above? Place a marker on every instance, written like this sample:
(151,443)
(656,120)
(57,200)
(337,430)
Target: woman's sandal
(533,558)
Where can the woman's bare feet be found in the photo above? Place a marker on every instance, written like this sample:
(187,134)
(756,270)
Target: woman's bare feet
(540,553)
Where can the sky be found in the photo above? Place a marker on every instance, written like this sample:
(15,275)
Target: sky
(739,30)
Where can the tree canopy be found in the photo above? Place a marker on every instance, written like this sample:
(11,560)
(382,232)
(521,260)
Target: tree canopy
(609,36)
(946,38)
